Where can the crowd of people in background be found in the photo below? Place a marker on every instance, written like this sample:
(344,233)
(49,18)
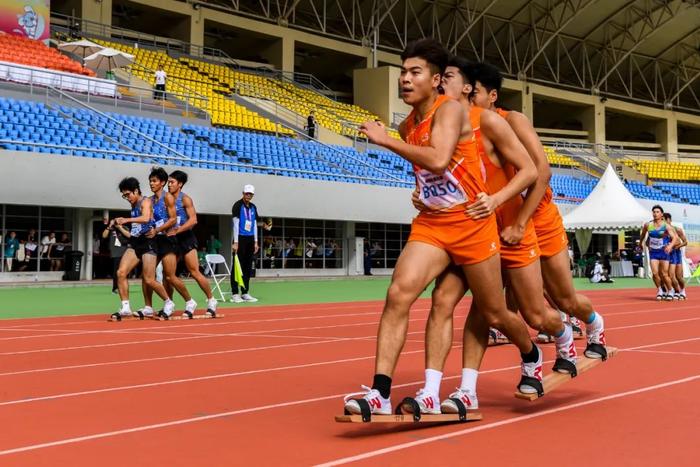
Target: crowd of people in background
(20,252)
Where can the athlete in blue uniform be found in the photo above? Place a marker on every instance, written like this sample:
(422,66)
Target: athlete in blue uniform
(140,248)
(661,241)
(186,219)
(164,220)
(675,268)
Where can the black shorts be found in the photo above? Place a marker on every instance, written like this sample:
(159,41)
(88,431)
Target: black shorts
(165,245)
(186,242)
(142,246)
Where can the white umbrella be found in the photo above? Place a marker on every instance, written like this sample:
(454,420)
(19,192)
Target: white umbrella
(108,59)
(81,48)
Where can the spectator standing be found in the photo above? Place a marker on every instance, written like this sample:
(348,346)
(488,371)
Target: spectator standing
(311,124)
(367,257)
(161,77)
(47,243)
(57,252)
(11,247)
(245,242)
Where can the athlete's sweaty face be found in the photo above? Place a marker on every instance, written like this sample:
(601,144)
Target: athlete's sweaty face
(417,81)
(658,215)
(130,196)
(483,98)
(453,83)
(156,184)
(174,186)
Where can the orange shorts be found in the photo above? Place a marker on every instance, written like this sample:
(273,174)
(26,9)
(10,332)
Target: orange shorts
(549,228)
(467,241)
(524,253)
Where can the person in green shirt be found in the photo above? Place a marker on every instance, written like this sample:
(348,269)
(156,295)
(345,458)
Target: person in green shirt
(11,247)
(213,245)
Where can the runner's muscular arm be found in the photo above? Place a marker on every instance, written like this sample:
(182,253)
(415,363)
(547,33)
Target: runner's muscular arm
(146,213)
(447,126)
(172,215)
(674,239)
(643,236)
(528,137)
(191,215)
(504,140)
(683,240)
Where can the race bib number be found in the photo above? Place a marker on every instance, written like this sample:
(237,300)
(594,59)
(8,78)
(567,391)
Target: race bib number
(135,229)
(656,243)
(248,226)
(160,223)
(178,221)
(440,191)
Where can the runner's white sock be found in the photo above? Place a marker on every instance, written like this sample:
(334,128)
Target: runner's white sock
(125,305)
(433,378)
(564,337)
(469,376)
(594,324)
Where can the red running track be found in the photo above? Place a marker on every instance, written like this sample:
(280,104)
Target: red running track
(261,387)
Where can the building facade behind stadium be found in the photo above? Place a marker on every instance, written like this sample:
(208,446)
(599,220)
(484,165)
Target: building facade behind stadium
(243,77)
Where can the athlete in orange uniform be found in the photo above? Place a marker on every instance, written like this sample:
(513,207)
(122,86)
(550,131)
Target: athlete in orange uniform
(459,225)
(519,262)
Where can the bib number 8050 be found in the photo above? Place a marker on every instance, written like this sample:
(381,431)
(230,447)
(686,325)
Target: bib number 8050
(439,189)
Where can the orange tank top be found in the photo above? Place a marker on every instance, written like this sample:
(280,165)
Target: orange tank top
(496,179)
(460,182)
(547,197)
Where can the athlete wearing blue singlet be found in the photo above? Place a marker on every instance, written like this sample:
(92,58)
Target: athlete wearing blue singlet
(675,269)
(661,240)
(140,249)
(163,231)
(186,219)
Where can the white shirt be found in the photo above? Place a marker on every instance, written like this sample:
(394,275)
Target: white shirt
(160,77)
(45,242)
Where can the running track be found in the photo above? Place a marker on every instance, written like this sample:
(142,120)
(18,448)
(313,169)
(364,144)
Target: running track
(261,387)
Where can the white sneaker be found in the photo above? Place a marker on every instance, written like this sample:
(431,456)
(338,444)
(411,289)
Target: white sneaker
(190,308)
(377,404)
(543,338)
(168,307)
(531,370)
(428,403)
(468,398)
(248,298)
(236,298)
(211,305)
(145,311)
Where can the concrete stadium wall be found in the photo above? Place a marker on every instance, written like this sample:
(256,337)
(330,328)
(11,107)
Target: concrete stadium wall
(69,181)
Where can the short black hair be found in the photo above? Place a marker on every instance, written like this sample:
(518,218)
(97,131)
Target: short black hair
(466,68)
(667,216)
(159,173)
(429,50)
(656,206)
(130,184)
(489,76)
(180,176)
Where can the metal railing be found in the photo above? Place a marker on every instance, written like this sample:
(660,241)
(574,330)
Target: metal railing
(99,90)
(149,158)
(121,125)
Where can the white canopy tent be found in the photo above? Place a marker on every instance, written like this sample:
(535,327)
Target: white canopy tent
(610,206)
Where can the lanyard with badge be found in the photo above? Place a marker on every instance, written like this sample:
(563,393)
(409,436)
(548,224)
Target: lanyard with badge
(248,226)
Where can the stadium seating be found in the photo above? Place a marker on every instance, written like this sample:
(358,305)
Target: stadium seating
(223,111)
(29,52)
(32,126)
(663,170)
(559,160)
(215,81)
(80,132)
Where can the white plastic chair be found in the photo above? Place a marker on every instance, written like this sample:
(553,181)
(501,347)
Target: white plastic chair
(212,261)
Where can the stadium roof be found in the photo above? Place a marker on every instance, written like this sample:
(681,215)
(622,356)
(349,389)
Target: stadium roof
(641,50)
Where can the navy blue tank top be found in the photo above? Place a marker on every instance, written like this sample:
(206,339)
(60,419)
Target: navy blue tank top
(182,216)
(160,212)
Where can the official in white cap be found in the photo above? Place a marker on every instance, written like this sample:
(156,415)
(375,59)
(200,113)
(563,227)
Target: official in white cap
(245,241)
